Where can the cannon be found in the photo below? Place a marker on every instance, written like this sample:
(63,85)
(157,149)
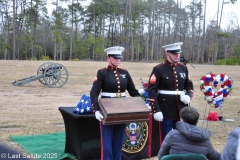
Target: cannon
(51,74)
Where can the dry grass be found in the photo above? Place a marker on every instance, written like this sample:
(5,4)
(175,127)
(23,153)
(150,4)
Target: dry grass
(33,108)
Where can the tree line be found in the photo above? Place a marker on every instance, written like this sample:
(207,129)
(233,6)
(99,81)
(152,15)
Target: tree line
(73,31)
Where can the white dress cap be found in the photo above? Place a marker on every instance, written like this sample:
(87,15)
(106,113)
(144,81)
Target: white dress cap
(115,51)
(174,48)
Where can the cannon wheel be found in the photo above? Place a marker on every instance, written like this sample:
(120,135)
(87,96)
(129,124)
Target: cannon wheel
(41,71)
(55,76)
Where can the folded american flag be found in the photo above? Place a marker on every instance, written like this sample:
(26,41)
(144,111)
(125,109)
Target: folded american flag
(84,105)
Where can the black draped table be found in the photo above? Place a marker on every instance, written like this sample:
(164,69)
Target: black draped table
(82,134)
(83,137)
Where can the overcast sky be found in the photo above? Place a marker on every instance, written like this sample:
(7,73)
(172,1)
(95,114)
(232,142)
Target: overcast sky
(230,11)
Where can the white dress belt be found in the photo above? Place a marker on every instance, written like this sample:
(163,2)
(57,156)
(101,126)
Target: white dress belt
(170,92)
(108,94)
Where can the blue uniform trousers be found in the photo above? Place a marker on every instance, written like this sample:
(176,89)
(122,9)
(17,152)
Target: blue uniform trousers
(112,137)
(167,126)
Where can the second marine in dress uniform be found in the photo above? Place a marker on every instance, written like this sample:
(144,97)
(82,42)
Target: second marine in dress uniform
(170,89)
(112,82)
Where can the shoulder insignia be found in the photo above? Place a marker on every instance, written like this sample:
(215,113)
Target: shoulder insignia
(153,79)
(95,79)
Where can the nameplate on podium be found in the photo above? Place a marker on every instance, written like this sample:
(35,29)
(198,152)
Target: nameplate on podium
(123,110)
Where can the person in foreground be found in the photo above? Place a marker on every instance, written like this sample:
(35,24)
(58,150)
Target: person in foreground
(188,138)
(170,89)
(112,82)
(231,150)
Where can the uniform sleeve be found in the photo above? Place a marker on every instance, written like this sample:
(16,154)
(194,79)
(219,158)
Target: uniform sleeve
(131,87)
(153,85)
(96,89)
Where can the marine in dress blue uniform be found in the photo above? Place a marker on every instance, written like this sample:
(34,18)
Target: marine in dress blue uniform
(170,89)
(112,82)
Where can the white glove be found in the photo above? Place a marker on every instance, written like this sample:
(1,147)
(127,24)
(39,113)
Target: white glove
(158,116)
(98,116)
(185,98)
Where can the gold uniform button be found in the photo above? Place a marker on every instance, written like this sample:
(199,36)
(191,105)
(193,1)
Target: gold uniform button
(118,86)
(117,78)
(114,72)
(116,75)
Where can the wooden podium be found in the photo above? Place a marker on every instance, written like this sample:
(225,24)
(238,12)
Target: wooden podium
(123,110)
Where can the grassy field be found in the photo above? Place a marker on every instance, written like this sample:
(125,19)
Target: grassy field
(33,108)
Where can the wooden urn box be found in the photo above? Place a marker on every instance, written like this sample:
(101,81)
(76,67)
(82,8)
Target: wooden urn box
(123,110)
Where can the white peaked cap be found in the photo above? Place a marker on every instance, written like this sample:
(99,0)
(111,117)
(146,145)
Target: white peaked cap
(115,51)
(174,48)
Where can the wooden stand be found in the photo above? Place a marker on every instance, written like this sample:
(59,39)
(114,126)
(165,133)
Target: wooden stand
(123,110)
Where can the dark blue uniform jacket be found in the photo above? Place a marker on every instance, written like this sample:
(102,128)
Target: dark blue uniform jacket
(111,80)
(171,78)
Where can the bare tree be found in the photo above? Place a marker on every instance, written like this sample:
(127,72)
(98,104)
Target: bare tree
(71,34)
(14,31)
(153,29)
(203,37)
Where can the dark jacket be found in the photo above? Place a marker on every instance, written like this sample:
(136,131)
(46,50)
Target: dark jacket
(230,149)
(171,78)
(186,139)
(111,80)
